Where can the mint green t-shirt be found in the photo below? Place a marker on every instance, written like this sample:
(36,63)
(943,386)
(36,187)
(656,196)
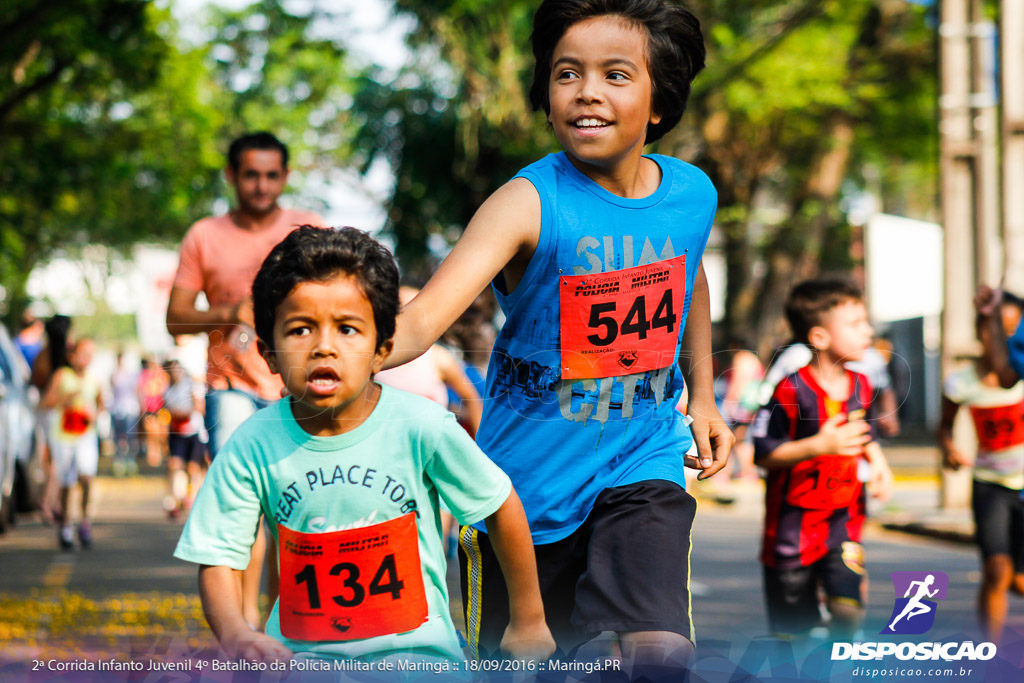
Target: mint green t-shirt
(408,455)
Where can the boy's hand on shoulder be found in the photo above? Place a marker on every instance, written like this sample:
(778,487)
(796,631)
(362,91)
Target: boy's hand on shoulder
(843,439)
(249,644)
(528,641)
(714,440)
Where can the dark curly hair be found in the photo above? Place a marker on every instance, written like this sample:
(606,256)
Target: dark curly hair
(675,49)
(809,301)
(311,254)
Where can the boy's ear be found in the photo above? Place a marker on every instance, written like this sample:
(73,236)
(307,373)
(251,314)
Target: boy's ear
(268,356)
(819,338)
(382,355)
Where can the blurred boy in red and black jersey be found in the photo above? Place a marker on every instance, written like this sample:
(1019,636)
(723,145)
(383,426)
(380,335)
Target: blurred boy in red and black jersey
(814,439)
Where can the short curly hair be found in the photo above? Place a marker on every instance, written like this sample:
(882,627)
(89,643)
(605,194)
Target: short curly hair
(311,254)
(675,50)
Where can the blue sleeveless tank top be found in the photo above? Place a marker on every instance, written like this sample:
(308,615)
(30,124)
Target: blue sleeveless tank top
(563,441)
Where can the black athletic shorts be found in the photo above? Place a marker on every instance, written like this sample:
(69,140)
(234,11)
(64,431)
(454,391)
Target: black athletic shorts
(188,447)
(625,569)
(998,521)
(791,595)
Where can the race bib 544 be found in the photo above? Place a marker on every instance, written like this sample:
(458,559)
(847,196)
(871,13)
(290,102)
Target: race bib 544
(621,322)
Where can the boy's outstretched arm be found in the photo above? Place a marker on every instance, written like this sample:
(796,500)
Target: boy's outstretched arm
(527,635)
(220,589)
(713,438)
(987,302)
(505,227)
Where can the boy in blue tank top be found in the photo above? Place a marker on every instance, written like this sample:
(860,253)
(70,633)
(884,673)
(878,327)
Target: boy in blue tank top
(595,256)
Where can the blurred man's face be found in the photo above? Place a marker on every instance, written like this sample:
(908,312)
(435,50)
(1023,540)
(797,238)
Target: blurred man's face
(259,180)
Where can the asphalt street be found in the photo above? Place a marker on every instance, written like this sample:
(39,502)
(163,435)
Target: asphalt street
(127,592)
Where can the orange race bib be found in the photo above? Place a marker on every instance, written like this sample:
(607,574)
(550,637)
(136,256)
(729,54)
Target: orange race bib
(622,322)
(358,583)
(999,427)
(75,421)
(826,482)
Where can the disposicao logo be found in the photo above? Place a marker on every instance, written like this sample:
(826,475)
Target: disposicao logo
(914,613)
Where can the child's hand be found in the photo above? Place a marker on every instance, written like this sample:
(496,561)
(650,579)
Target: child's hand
(528,641)
(987,300)
(249,644)
(881,482)
(713,438)
(953,459)
(845,439)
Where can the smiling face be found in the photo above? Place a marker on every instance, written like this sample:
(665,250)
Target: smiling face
(325,349)
(259,180)
(601,92)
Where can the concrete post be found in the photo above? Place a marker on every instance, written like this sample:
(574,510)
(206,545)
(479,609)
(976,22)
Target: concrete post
(1011,41)
(959,155)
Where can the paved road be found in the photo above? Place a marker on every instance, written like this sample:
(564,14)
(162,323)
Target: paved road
(128,592)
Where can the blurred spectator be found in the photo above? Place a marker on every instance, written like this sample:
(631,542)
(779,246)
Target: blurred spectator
(152,384)
(474,333)
(186,440)
(220,257)
(741,380)
(432,374)
(76,398)
(31,337)
(52,357)
(124,418)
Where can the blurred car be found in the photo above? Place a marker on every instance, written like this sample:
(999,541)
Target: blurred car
(20,474)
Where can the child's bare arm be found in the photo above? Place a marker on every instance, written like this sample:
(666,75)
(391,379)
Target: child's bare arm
(220,589)
(881,480)
(506,225)
(51,398)
(952,457)
(527,634)
(833,439)
(454,376)
(713,438)
(987,302)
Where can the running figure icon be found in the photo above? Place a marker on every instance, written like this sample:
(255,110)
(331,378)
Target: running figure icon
(915,607)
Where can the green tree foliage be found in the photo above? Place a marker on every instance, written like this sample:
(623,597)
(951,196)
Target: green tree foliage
(113,130)
(800,99)
(285,73)
(799,96)
(102,135)
(454,130)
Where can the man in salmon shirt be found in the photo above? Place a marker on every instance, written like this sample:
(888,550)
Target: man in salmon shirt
(220,257)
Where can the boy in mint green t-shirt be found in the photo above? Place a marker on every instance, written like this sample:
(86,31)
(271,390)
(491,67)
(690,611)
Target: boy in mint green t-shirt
(351,475)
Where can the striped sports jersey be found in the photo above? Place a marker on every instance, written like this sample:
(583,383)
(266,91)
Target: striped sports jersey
(819,503)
